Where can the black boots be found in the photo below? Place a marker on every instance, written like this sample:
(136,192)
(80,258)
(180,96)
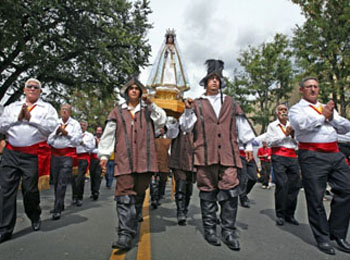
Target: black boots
(228,222)
(228,202)
(180,202)
(139,205)
(127,222)
(208,209)
(183,196)
(154,187)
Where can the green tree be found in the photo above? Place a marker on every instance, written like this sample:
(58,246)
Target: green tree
(264,80)
(322,45)
(71,45)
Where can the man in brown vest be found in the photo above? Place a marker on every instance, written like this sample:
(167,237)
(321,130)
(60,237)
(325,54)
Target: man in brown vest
(217,121)
(129,133)
(181,164)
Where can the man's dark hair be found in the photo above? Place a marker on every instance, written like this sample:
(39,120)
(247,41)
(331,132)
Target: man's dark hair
(302,82)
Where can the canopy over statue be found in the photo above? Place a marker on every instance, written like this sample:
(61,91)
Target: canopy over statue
(168,76)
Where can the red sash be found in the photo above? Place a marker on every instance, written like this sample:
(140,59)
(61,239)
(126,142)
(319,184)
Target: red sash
(68,151)
(320,147)
(283,151)
(94,156)
(85,156)
(242,153)
(43,151)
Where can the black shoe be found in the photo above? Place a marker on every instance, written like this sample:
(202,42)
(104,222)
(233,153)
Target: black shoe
(326,247)
(95,197)
(245,204)
(181,219)
(36,225)
(212,239)
(74,201)
(343,244)
(231,241)
(56,216)
(79,203)
(53,210)
(4,237)
(154,204)
(280,221)
(292,220)
(124,242)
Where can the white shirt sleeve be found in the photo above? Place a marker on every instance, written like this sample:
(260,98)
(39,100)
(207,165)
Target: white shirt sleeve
(187,120)
(245,133)
(107,141)
(158,116)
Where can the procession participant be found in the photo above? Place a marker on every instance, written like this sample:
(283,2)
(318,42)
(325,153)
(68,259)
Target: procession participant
(95,168)
(26,124)
(181,164)
(280,137)
(64,140)
(316,127)
(216,120)
(264,154)
(160,178)
(248,176)
(86,145)
(129,133)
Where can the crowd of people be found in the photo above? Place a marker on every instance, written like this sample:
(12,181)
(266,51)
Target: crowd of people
(210,144)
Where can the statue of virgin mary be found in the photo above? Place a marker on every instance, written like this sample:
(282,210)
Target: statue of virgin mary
(168,76)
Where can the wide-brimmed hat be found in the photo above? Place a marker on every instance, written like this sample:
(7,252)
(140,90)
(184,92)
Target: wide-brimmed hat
(133,80)
(214,67)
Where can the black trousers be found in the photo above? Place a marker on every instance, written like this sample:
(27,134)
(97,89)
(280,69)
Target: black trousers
(317,168)
(95,176)
(288,182)
(265,170)
(14,166)
(61,173)
(78,181)
(247,176)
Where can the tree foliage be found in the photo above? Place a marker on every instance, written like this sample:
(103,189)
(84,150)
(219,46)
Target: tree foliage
(265,78)
(322,45)
(71,46)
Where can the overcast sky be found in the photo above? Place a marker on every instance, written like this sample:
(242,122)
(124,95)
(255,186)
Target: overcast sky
(218,29)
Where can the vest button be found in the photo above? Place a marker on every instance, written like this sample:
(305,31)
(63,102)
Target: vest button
(218,123)
(219,135)
(219,146)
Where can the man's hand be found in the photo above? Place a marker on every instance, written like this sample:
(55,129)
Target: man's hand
(289,131)
(103,164)
(22,112)
(64,131)
(146,99)
(188,103)
(328,109)
(249,155)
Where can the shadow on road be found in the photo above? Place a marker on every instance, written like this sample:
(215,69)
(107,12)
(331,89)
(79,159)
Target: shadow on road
(302,231)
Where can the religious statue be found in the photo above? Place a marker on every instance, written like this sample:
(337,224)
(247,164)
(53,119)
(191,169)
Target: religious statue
(168,78)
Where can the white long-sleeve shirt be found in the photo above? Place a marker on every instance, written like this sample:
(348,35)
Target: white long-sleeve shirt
(245,132)
(275,136)
(43,121)
(312,127)
(87,143)
(107,142)
(72,139)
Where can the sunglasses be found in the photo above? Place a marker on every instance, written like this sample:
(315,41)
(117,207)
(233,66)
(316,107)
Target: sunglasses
(32,87)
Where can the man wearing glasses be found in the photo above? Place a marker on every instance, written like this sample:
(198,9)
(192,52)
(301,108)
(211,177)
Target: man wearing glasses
(316,127)
(26,124)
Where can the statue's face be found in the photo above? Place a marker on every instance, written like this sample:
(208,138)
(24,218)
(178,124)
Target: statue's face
(170,39)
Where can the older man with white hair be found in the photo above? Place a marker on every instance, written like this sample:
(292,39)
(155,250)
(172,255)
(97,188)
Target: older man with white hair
(26,124)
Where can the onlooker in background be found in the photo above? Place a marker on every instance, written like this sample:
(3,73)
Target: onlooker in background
(264,154)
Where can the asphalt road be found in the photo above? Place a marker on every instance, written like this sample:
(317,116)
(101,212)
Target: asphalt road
(87,232)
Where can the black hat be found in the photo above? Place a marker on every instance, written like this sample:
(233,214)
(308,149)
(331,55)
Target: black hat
(215,67)
(133,80)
